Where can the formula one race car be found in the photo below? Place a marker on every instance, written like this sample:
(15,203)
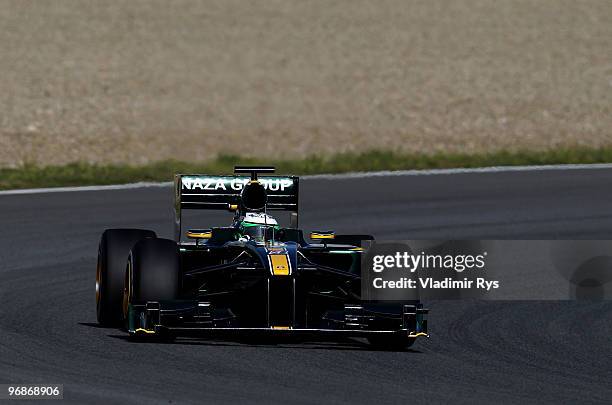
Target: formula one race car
(252,278)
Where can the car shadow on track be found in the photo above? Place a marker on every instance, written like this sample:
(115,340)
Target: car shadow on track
(94,325)
(346,345)
(334,346)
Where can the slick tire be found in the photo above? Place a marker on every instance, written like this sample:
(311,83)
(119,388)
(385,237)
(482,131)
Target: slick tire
(113,252)
(153,272)
(392,343)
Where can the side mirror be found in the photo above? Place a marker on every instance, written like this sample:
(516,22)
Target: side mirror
(322,235)
(199,234)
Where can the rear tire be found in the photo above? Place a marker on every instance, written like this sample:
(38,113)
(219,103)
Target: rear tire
(113,251)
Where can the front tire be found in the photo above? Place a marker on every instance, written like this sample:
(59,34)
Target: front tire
(153,273)
(113,251)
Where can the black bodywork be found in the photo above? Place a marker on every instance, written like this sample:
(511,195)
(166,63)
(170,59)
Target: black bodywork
(281,286)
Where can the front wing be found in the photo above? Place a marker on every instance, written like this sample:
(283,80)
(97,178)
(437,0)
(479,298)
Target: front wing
(200,319)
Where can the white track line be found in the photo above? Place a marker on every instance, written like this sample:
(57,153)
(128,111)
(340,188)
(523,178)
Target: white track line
(352,175)
(85,188)
(434,172)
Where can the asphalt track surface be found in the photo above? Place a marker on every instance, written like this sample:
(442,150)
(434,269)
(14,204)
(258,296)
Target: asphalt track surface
(479,352)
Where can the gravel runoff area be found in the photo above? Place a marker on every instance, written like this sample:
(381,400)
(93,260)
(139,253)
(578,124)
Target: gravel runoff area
(139,81)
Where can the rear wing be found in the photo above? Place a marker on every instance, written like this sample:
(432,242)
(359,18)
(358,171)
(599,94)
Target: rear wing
(199,191)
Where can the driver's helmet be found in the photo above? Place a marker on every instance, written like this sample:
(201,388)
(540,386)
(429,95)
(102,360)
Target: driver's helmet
(257,226)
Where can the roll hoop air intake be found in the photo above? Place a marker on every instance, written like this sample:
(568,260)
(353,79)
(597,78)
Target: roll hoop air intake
(253,196)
